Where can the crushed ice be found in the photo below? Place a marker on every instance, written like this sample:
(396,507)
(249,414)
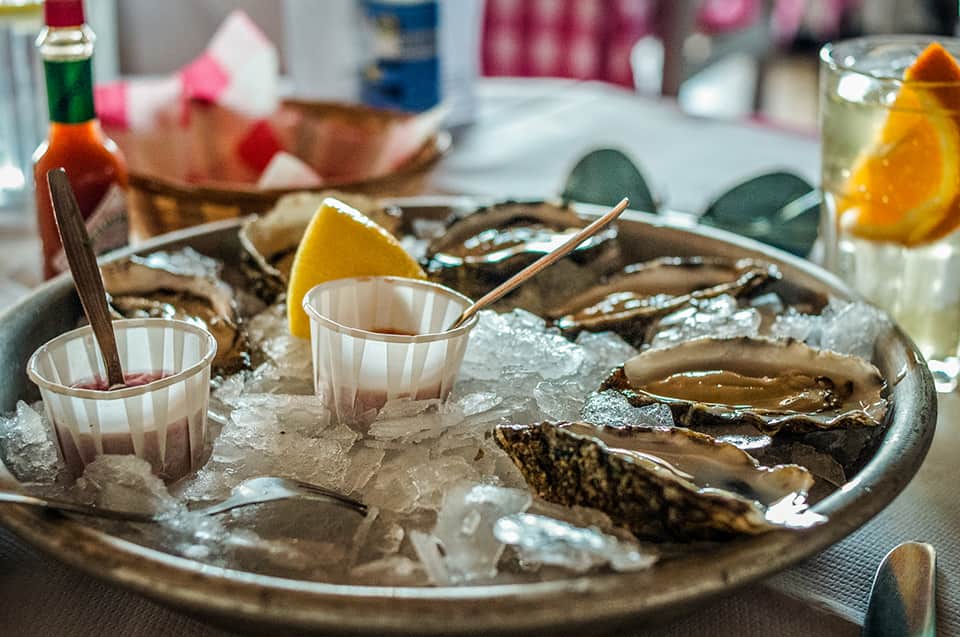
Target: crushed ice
(719,317)
(845,327)
(539,539)
(444,498)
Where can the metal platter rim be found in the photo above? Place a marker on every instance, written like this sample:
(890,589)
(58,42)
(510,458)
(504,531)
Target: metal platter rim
(507,607)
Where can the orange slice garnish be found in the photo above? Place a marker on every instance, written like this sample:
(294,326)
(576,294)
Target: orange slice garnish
(906,187)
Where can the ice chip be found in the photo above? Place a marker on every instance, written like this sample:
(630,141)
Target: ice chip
(465,528)
(427,548)
(718,317)
(559,400)
(612,408)
(845,327)
(605,350)
(852,328)
(798,326)
(543,540)
(124,483)
(27,445)
(518,340)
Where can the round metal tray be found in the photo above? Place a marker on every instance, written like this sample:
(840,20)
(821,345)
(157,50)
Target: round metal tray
(254,602)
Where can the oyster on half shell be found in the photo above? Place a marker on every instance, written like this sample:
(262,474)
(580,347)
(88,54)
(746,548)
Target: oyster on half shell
(487,246)
(629,301)
(659,482)
(183,285)
(772,385)
(270,241)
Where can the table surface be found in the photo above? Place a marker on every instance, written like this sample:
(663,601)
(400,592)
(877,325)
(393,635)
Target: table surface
(526,137)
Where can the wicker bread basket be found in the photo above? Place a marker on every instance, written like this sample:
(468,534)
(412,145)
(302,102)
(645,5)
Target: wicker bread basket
(161,201)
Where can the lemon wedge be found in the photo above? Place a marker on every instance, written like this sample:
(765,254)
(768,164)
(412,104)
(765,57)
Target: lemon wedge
(341,242)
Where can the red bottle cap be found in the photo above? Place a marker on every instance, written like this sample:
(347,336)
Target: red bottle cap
(63,13)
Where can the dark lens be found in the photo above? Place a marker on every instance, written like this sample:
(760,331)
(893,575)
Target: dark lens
(606,176)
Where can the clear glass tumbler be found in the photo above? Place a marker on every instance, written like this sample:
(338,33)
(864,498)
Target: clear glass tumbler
(23,109)
(891,186)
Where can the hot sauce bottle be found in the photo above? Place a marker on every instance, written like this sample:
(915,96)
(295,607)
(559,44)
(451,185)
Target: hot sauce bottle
(75,140)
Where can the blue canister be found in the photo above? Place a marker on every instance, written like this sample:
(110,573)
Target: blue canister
(405,71)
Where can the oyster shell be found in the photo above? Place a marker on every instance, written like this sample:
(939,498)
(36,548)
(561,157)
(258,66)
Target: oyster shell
(629,301)
(487,246)
(660,482)
(772,385)
(270,241)
(182,285)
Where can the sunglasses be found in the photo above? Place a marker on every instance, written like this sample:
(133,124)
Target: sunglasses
(777,208)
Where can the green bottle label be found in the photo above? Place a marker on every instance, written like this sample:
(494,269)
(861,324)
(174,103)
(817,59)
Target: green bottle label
(70,91)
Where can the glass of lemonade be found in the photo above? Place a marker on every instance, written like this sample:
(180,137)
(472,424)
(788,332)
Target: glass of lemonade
(890,127)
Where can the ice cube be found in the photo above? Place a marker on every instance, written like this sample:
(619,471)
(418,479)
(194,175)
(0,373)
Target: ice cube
(427,548)
(559,400)
(718,317)
(852,328)
(395,570)
(432,479)
(542,540)
(605,350)
(518,340)
(404,419)
(465,528)
(28,445)
(612,408)
(845,327)
(124,483)
(799,326)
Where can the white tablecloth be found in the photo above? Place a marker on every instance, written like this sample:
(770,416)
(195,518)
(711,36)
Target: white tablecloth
(527,136)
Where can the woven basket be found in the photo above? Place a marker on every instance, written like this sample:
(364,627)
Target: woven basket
(159,204)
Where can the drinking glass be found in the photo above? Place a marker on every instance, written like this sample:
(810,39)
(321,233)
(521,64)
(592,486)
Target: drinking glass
(23,118)
(917,281)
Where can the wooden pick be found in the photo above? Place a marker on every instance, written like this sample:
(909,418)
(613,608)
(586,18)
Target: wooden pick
(85,271)
(541,264)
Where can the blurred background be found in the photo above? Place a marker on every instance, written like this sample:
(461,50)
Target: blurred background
(721,58)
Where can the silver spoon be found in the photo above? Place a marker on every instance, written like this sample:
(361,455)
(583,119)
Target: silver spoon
(248,492)
(85,271)
(540,264)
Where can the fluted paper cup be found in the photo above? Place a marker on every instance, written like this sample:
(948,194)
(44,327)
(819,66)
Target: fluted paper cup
(163,421)
(375,339)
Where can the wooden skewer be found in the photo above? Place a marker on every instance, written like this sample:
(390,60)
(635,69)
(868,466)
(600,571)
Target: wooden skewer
(85,271)
(542,263)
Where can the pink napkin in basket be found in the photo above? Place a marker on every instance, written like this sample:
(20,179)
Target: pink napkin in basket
(218,122)
(238,70)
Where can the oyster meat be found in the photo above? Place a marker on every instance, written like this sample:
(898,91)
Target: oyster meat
(270,242)
(769,384)
(183,285)
(487,246)
(659,482)
(629,301)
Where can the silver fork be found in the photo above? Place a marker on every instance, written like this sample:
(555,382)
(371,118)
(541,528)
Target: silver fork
(248,492)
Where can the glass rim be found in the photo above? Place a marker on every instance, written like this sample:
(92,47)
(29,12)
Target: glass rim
(829,57)
(314,314)
(127,392)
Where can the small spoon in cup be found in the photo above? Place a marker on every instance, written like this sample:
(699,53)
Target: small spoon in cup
(85,271)
(540,264)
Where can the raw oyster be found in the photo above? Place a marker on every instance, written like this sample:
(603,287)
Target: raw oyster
(772,385)
(270,241)
(487,246)
(182,285)
(660,482)
(630,300)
